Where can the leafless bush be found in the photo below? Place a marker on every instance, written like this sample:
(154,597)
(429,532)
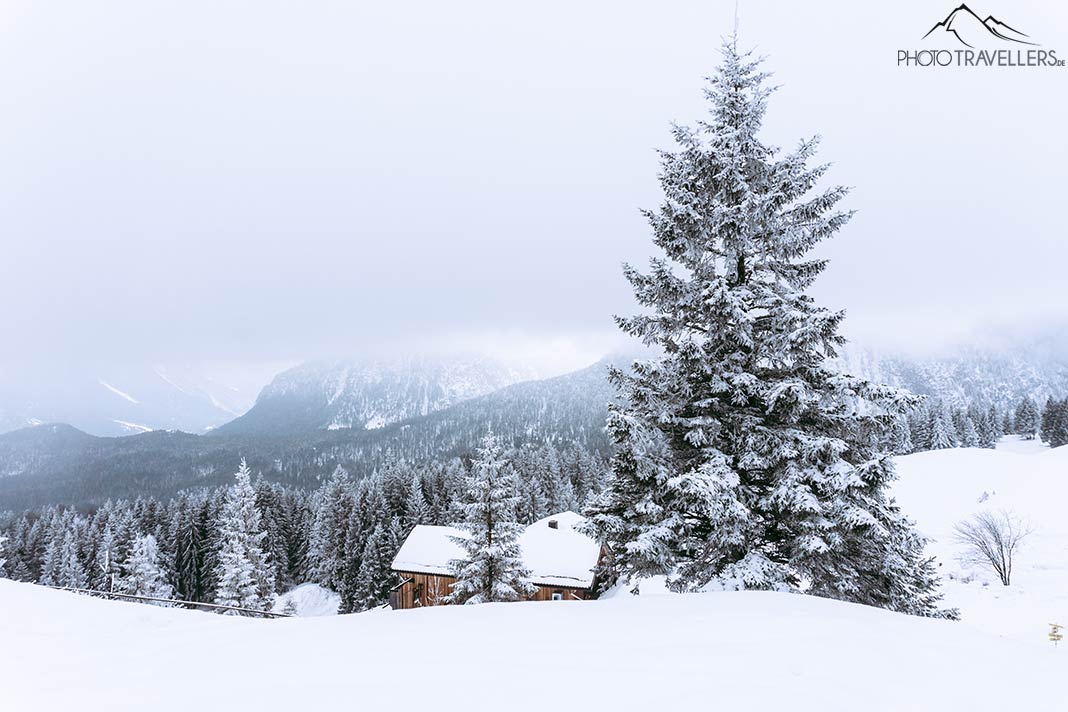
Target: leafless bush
(991,539)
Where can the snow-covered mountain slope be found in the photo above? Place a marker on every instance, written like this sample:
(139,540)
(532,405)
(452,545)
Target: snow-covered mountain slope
(367,395)
(112,400)
(752,651)
(998,376)
(941,488)
(48,464)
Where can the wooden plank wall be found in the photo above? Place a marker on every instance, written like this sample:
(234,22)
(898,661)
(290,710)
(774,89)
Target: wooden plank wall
(431,590)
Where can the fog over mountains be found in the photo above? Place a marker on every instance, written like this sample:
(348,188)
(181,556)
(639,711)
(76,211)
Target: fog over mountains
(447,411)
(118,400)
(363,413)
(368,393)
(128,398)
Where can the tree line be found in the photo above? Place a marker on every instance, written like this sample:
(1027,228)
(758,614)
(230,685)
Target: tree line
(242,545)
(936,425)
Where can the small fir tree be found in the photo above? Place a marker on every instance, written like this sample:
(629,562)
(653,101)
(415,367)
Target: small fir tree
(492,569)
(142,574)
(245,576)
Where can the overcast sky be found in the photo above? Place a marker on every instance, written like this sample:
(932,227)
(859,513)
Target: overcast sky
(275,180)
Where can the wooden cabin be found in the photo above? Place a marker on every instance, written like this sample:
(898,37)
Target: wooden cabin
(560,558)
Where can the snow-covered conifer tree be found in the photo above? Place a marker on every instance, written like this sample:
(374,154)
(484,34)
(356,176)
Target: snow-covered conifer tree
(329,530)
(190,533)
(1008,425)
(1054,430)
(969,436)
(1027,418)
(742,459)
(534,504)
(366,510)
(416,509)
(996,427)
(492,569)
(919,429)
(63,566)
(274,524)
(376,578)
(245,576)
(3,561)
(943,434)
(901,437)
(986,426)
(142,575)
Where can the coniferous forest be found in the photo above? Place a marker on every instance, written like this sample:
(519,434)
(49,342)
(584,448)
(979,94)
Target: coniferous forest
(242,544)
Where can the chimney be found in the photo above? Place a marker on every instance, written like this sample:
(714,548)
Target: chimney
(553,524)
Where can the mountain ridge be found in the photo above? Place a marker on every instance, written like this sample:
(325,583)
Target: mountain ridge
(57,463)
(369,394)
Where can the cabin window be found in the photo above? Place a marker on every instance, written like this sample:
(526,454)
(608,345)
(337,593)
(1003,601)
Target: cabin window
(558,595)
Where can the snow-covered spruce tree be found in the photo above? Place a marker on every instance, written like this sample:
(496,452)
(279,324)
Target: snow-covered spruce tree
(742,460)
(272,517)
(1027,418)
(901,437)
(376,578)
(969,436)
(416,509)
(3,561)
(533,503)
(142,575)
(62,565)
(1054,430)
(191,533)
(329,531)
(996,424)
(943,434)
(492,569)
(245,576)
(919,429)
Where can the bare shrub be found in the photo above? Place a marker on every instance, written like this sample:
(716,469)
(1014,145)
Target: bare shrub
(991,539)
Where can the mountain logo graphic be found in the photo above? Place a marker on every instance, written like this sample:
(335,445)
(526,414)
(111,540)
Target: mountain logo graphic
(972,31)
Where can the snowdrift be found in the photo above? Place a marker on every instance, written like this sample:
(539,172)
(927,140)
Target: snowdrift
(759,651)
(309,599)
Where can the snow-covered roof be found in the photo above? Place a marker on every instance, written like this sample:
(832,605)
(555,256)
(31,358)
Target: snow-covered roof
(558,556)
(561,556)
(428,550)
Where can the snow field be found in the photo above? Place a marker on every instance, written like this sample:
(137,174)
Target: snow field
(749,650)
(941,488)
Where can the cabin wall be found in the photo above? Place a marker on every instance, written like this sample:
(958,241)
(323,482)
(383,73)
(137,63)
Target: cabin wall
(545,593)
(427,589)
(431,589)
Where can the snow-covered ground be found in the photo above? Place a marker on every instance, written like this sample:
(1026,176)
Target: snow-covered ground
(310,599)
(760,651)
(939,489)
(754,651)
